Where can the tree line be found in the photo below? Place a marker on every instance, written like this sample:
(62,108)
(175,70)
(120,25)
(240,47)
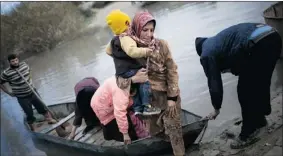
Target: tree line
(34,27)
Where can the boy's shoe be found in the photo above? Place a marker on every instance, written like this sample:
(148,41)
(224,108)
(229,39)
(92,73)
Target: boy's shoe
(138,113)
(149,110)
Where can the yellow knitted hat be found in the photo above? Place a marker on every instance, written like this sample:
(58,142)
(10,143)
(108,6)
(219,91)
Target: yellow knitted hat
(116,20)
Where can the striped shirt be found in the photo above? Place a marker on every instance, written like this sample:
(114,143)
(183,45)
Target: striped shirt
(18,85)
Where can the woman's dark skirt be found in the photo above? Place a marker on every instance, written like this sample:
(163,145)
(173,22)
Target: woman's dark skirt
(111,131)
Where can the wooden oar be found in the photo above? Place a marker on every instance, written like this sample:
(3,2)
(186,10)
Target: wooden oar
(60,130)
(205,120)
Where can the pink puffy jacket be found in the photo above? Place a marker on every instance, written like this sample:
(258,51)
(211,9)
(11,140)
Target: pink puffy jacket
(110,102)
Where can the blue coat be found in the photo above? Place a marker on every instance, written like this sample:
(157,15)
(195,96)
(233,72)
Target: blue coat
(227,50)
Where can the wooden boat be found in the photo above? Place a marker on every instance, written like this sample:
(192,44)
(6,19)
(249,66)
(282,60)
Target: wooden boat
(94,141)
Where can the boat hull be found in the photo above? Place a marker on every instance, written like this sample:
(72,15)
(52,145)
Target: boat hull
(146,146)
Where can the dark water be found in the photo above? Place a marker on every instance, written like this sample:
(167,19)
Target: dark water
(55,73)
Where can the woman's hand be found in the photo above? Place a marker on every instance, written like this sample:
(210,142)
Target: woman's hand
(127,139)
(140,77)
(172,108)
(149,52)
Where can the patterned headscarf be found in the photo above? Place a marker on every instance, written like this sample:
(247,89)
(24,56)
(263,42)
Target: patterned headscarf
(139,21)
(86,82)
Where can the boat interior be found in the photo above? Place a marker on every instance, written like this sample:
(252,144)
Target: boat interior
(65,115)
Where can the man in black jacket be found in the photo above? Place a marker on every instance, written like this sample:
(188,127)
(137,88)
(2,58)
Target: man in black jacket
(250,51)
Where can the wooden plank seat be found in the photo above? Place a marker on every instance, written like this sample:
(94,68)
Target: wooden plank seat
(56,125)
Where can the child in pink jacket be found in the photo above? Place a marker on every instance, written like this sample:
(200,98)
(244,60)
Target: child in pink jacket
(110,104)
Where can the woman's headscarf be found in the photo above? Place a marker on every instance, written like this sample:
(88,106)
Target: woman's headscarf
(139,21)
(86,82)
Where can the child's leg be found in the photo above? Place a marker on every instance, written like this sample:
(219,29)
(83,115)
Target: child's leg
(145,95)
(137,106)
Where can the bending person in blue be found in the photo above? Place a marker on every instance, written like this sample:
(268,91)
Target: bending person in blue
(250,51)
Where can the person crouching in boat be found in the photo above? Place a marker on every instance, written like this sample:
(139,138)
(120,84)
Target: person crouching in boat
(84,91)
(112,106)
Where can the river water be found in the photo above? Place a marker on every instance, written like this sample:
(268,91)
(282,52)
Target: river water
(56,72)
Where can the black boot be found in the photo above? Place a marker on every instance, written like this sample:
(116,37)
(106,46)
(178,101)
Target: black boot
(241,142)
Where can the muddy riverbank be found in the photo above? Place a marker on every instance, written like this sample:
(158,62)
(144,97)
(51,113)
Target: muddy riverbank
(270,143)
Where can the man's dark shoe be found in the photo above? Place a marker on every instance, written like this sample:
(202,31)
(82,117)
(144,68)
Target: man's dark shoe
(238,143)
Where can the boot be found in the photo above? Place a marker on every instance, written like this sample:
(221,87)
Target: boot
(49,119)
(238,143)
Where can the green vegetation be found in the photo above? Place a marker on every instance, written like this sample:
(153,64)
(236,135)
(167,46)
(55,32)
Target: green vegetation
(35,27)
